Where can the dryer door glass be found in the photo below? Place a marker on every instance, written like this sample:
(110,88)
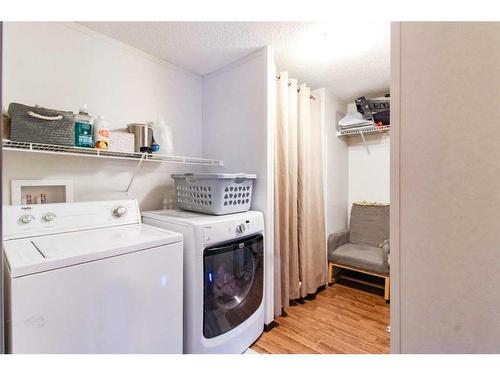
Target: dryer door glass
(233,284)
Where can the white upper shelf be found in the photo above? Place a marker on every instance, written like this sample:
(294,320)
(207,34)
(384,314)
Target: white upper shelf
(94,152)
(364,130)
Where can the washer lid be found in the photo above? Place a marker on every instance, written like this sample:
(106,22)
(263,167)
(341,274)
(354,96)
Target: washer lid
(38,254)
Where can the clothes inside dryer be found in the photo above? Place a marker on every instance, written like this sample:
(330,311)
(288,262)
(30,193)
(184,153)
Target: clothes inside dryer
(233,278)
(232,284)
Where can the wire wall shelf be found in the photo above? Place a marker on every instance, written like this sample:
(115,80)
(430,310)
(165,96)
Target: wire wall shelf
(9,145)
(139,157)
(372,129)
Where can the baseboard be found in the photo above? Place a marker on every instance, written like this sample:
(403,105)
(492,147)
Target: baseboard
(270,326)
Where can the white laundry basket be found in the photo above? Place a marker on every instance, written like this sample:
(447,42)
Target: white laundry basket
(216,194)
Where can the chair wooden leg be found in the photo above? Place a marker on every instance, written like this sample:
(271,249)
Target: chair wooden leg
(387,288)
(330,273)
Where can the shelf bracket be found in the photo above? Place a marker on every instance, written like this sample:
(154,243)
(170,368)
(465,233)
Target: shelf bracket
(143,157)
(364,142)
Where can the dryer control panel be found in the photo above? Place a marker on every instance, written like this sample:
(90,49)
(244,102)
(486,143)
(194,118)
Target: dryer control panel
(239,227)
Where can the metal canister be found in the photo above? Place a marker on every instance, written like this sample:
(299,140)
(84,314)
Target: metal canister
(143,136)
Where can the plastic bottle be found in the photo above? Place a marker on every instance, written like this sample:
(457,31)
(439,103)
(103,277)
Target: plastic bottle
(164,136)
(83,128)
(155,147)
(101,133)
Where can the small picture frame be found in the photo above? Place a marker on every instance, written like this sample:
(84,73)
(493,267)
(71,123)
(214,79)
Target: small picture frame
(41,191)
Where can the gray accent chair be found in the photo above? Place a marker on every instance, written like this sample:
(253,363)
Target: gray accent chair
(364,247)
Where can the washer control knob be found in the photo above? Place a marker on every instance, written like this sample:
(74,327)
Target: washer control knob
(49,216)
(240,228)
(119,211)
(26,219)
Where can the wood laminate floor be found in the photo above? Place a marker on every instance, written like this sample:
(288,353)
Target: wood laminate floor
(340,320)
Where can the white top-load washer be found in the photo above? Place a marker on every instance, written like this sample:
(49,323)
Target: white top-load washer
(89,277)
(223,278)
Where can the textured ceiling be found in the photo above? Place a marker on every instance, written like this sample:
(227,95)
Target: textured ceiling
(348,58)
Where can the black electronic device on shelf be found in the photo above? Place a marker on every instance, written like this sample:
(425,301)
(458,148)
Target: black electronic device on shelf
(376,109)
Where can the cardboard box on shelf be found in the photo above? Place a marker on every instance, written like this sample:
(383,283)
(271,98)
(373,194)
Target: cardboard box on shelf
(121,141)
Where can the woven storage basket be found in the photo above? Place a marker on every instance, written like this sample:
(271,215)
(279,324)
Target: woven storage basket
(216,194)
(41,125)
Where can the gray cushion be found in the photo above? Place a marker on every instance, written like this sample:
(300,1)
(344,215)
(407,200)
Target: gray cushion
(369,224)
(365,257)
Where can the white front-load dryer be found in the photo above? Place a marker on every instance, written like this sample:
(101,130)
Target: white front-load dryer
(223,278)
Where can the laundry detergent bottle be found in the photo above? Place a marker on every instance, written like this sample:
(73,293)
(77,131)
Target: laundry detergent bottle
(83,128)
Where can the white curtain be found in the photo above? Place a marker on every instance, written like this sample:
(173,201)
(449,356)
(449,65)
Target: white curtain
(300,254)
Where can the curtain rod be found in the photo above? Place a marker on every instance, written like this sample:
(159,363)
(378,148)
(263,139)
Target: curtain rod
(298,88)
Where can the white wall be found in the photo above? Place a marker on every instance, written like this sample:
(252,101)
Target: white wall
(238,118)
(369,174)
(446,160)
(335,162)
(59,65)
